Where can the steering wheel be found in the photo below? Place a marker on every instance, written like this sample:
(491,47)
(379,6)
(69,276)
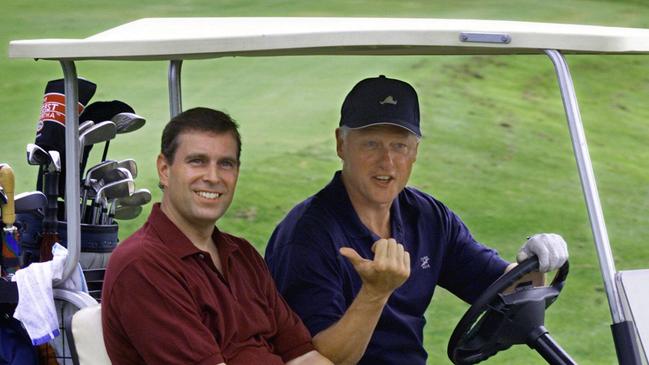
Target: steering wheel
(496,321)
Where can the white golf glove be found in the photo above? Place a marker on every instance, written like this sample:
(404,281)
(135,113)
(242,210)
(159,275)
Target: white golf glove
(550,248)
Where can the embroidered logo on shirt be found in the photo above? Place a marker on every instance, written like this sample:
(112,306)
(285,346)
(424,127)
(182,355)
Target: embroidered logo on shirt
(388,100)
(423,262)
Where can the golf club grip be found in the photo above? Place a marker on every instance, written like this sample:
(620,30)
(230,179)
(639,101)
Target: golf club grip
(8,181)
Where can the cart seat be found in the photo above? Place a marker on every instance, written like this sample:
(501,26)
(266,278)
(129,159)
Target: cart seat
(86,337)
(633,286)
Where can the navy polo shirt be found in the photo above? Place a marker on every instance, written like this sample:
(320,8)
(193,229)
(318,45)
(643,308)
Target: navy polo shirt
(319,284)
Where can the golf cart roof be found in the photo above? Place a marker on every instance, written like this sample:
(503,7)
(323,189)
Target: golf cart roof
(196,38)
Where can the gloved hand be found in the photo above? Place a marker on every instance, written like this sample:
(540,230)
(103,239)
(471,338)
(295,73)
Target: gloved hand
(550,248)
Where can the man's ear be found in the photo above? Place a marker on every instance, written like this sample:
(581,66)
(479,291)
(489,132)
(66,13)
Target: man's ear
(339,143)
(163,170)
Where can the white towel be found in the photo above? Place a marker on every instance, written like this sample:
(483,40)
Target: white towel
(35,307)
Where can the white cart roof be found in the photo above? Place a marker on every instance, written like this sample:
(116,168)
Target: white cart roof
(190,38)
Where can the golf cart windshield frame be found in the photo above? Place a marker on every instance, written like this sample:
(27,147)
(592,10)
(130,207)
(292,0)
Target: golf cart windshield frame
(177,39)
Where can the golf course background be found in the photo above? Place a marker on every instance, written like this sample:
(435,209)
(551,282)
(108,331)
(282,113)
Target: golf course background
(496,147)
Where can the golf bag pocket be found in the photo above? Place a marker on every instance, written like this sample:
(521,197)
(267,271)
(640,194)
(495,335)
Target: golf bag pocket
(96,240)
(29,236)
(97,243)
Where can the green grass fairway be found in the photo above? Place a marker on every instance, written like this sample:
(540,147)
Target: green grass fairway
(496,148)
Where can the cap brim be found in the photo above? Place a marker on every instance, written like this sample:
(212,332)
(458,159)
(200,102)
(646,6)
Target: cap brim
(409,129)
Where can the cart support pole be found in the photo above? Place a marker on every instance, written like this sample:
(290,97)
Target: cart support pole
(72,193)
(623,331)
(175,91)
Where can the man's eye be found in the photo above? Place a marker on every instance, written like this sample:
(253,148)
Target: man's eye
(371,144)
(227,164)
(196,161)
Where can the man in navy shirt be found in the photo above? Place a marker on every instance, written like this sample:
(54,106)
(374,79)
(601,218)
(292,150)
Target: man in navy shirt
(359,260)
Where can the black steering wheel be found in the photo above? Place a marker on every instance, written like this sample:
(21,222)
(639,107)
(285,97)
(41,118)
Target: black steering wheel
(496,321)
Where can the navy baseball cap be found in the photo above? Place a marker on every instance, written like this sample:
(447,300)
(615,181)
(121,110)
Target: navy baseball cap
(381,100)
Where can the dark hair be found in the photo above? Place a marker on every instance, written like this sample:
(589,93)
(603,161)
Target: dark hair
(197,119)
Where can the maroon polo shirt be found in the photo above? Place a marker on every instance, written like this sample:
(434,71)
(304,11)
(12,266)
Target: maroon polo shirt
(164,302)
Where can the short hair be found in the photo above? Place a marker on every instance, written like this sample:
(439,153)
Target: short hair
(197,119)
(344,131)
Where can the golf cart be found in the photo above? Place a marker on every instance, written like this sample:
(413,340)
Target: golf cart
(496,320)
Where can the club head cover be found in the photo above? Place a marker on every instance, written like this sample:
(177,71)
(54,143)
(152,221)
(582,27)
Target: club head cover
(50,130)
(98,112)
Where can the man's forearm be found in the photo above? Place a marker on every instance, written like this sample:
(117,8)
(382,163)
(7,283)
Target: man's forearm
(310,358)
(345,341)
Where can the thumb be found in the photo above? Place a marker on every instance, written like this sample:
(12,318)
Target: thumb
(352,256)
(522,255)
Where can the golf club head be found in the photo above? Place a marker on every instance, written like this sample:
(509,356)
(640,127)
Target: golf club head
(110,191)
(119,173)
(55,165)
(37,155)
(126,212)
(127,122)
(130,165)
(116,189)
(109,176)
(96,172)
(85,125)
(100,132)
(139,197)
(3,196)
(30,201)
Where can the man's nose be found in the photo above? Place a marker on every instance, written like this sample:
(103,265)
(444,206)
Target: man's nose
(212,173)
(386,157)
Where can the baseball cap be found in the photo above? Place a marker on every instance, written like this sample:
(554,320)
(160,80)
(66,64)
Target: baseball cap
(381,100)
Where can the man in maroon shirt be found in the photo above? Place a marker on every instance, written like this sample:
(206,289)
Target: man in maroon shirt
(179,291)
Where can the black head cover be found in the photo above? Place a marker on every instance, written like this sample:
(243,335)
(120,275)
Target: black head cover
(101,111)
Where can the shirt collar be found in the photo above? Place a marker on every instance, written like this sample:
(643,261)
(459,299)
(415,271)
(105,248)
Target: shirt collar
(178,243)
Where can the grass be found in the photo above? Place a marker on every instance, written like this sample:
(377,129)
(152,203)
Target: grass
(496,147)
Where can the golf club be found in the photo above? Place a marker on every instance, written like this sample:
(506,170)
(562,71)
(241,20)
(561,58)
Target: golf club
(37,155)
(130,165)
(55,164)
(125,123)
(85,125)
(125,212)
(108,177)
(94,174)
(100,132)
(117,189)
(128,122)
(30,201)
(138,198)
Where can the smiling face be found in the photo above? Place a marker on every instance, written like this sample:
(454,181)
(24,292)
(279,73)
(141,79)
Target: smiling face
(377,162)
(200,181)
